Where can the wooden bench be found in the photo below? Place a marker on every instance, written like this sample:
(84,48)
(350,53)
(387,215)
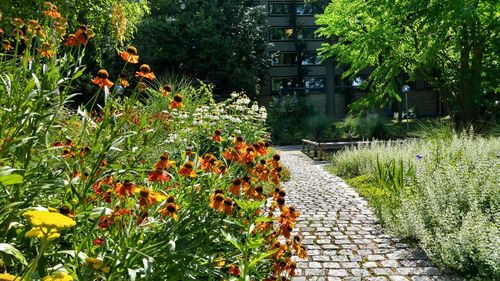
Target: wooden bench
(319,148)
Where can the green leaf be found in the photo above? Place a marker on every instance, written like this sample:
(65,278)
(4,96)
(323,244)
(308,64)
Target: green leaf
(11,179)
(261,257)
(231,239)
(11,250)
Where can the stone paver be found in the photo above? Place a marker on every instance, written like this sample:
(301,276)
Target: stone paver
(343,238)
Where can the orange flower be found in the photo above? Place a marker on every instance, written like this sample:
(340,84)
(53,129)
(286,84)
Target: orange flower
(83,34)
(130,55)
(148,197)
(228,206)
(6,45)
(187,170)
(282,248)
(164,162)
(166,90)
(275,175)
(145,71)
(176,103)
(158,175)
(255,193)
(274,162)
(299,249)
(216,137)
(123,80)
(217,200)
(234,270)
(17,22)
(239,143)
(249,155)
(127,188)
(235,187)
(72,41)
(46,50)
(52,10)
(102,79)
(207,162)
(171,209)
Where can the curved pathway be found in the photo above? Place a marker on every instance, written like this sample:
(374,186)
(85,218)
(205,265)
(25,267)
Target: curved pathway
(343,238)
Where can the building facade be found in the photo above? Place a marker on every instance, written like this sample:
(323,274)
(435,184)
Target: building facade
(296,68)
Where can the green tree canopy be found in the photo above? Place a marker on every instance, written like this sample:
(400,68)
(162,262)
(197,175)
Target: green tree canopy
(221,42)
(453,45)
(114,22)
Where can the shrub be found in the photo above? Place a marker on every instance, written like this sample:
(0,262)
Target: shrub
(287,119)
(442,192)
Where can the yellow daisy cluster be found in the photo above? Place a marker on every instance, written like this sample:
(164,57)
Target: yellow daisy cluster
(59,276)
(47,224)
(96,264)
(8,277)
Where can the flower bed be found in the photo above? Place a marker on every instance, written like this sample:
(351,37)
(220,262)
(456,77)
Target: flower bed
(170,187)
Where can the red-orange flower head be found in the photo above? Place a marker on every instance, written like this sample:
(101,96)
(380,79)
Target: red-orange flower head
(130,55)
(234,270)
(187,170)
(72,41)
(123,79)
(46,51)
(145,71)
(217,136)
(83,34)
(170,210)
(217,200)
(52,10)
(101,79)
(228,206)
(177,102)
(235,187)
(166,90)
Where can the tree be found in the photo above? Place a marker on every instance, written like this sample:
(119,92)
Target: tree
(114,22)
(221,42)
(453,45)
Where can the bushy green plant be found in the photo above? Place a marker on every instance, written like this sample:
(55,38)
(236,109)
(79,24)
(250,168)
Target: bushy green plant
(287,119)
(364,127)
(440,191)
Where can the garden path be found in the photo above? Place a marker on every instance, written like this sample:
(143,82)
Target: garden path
(343,238)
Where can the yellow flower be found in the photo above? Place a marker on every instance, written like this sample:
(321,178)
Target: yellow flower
(49,219)
(59,276)
(42,232)
(96,264)
(8,277)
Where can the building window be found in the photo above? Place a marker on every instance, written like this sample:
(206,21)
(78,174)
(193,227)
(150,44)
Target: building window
(285,83)
(310,58)
(281,33)
(307,33)
(314,83)
(290,83)
(286,8)
(283,58)
(286,33)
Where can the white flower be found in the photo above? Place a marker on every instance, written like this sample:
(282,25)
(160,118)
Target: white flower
(233,94)
(255,107)
(262,109)
(237,131)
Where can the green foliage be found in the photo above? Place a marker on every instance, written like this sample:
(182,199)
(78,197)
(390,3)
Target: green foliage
(440,191)
(114,22)
(365,127)
(287,119)
(220,42)
(451,45)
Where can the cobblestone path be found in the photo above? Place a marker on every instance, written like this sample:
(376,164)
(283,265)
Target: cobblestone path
(342,236)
